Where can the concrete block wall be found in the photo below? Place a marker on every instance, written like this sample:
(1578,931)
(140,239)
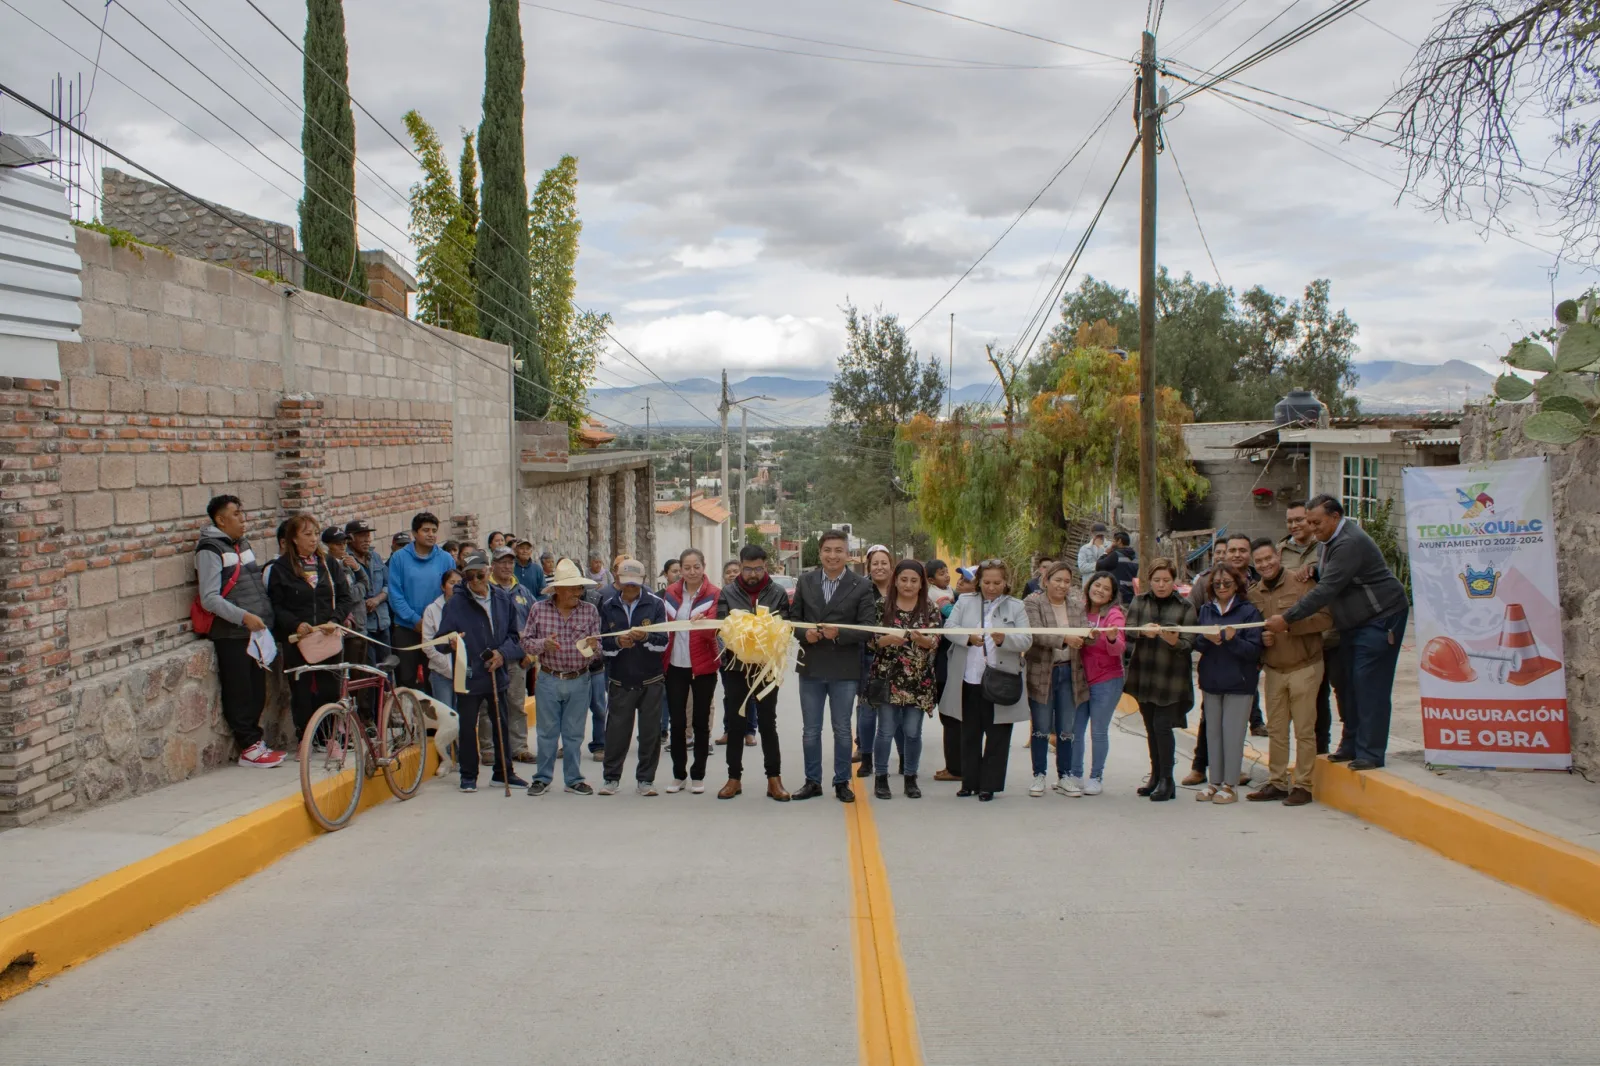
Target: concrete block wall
(190,380)
(557,516)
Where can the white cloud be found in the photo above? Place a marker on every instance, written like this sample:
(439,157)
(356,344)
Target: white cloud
(701,345)
(720,254)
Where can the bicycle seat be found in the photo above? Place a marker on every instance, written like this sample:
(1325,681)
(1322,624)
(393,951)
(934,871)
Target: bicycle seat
(389,663)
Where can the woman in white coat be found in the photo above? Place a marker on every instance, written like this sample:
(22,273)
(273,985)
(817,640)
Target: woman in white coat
(985,725)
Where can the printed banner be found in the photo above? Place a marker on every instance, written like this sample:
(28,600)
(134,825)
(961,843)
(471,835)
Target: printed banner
(1491,668)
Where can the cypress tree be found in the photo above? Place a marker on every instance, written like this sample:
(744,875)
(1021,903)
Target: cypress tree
(469,180)
(328,141)
(502,248)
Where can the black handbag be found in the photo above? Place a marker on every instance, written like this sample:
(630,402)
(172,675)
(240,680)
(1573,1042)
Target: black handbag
(1001,687)
(878,690)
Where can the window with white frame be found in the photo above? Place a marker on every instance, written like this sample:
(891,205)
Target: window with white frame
(1360,489)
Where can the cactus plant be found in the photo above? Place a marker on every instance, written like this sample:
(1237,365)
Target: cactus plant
(1566,388)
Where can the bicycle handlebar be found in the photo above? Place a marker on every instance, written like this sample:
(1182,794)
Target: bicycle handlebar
(337,668)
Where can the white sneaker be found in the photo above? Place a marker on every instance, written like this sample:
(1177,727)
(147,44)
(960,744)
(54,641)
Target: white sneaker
(1038,785)
(676,786)
(698,787)
(646,788)
(1091,787)
(608,788)
(1063,785)
(1074,786)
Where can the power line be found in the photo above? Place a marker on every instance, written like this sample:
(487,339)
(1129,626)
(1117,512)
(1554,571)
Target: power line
(809,40)
(1008,29)
(773,48)
(1193,210)
(1363,17)
(1112,110)
(268,240)
(1317,22)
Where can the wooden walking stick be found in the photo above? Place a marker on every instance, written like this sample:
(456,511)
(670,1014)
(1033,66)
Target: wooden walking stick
(499,726)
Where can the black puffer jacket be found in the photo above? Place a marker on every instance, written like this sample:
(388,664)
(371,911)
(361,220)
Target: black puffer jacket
(295,601)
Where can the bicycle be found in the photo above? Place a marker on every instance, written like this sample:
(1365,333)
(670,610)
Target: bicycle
(339,751)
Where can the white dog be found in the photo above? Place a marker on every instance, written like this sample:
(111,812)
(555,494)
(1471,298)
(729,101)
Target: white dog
(445,725)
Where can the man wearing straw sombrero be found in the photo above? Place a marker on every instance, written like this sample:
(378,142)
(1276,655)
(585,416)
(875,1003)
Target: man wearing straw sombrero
(559,631)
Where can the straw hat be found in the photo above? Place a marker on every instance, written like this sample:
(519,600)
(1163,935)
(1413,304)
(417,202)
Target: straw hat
(567,576)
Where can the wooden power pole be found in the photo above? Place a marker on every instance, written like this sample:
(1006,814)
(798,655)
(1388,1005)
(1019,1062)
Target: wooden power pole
(1149,119)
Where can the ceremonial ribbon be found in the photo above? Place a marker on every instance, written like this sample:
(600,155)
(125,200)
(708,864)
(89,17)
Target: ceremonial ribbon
(459,682)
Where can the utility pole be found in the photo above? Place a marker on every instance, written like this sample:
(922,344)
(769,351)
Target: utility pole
(744,448)
(950,375)
(1149,118)
(647,423)
(722,409)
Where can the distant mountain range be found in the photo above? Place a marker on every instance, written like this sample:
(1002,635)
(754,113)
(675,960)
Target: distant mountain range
(1383,387)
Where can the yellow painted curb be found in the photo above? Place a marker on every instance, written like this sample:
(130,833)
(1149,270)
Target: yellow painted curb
(885,1012)
(44,940)
(1536,862)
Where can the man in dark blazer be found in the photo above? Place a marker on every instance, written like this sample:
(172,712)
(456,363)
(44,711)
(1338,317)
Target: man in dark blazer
(830,658)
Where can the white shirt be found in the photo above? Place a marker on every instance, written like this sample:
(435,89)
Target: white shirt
(680,641)
(976,663)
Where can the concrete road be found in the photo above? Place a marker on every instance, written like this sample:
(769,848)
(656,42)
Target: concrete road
(681,929)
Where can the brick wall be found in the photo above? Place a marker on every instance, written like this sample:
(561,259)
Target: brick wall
(193,379)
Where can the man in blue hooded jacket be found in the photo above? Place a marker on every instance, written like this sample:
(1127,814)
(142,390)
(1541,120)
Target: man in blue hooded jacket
(486,619)
(414,573)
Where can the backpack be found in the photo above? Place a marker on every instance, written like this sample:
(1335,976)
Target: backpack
(199,617)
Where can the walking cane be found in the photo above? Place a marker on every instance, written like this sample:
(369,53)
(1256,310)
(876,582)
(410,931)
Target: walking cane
(499,748)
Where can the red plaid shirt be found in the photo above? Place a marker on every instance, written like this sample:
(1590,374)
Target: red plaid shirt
(546,620)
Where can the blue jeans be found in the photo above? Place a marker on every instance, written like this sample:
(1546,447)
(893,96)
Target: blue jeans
(1054,716)
(1094,719)
(597,710)
(902,722)
(867,734)
(442,689)
(839,696)
(561,709)
(1369,660)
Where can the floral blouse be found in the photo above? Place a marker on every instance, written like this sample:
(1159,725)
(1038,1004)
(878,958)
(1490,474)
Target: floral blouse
(907,668)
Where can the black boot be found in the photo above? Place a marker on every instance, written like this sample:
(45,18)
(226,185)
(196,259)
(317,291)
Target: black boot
(912,791)
(880,787)
(1166,750)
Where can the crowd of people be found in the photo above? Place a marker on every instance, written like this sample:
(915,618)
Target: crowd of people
(1303,621)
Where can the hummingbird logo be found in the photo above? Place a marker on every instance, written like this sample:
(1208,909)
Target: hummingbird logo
(1475,501)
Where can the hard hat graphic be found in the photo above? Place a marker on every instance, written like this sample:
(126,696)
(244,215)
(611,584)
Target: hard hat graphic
(1447,660)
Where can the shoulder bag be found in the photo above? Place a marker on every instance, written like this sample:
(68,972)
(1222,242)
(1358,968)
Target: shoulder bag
(1000,687)
(320,644)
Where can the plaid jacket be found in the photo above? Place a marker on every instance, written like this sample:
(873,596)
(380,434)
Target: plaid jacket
(1159,673)
(1040,656)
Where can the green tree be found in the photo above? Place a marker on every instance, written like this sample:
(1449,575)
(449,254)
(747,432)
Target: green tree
(442,235)
(879,386)
(328,143)
(467,181)
(811,551)
(501,254)
(553,227)
(752,535)
(573,370)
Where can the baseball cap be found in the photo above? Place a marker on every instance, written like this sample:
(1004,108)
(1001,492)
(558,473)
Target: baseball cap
(968,572)
(401,539)
(503,552)
(334,535)
(520,543)
(631,572)
(475,561)
(357,525)
(1099,527)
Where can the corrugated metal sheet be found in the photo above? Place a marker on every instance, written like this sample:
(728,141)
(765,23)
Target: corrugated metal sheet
(39,265)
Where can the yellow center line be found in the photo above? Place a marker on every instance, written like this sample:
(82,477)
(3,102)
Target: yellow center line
(884,1009)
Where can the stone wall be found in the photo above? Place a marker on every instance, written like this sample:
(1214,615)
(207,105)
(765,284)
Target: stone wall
(191,380)
(161,215)
(556,518)
(1490,433)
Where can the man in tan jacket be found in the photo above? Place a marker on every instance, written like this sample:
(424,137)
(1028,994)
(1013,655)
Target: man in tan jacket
(1293,673)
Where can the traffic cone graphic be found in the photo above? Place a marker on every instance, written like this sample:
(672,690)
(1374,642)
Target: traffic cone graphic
(1516,638)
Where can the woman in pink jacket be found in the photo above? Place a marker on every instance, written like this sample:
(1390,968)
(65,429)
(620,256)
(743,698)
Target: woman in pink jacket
(1102,662)
(690,665)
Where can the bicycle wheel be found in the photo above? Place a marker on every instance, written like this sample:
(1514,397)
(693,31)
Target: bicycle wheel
(406,741)
(331,757)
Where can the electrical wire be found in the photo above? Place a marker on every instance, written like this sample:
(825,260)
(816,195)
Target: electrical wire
(1008,29)
(1112,110)
(1306,29)
(774,48)
(1193,210)
(1179,43)
(807,40)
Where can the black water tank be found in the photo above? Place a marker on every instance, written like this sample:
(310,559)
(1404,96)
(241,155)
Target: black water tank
(1301,405)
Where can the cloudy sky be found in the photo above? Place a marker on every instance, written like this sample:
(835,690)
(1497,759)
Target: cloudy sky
(735,194)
